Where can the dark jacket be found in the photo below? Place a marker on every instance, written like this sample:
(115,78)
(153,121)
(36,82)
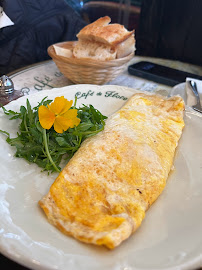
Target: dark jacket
(37,25)
(171,29)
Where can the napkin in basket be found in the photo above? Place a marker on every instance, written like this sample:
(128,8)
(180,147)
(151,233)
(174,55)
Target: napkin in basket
(191,99)
(62,51)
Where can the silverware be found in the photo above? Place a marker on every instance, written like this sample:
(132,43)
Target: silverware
(7,91)
(197,107)
(6,86)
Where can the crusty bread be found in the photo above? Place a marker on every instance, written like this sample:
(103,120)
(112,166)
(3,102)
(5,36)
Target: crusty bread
(102,31)
(95,50)
(103,41)
(126,47)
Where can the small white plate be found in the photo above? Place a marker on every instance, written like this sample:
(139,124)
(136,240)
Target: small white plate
(170,237)
(179,89)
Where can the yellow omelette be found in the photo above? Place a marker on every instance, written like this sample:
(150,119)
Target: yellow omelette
(102,194)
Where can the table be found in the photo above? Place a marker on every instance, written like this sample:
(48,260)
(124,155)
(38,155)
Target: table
(46,76)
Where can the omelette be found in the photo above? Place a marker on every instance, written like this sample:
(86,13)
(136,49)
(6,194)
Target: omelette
(102,194)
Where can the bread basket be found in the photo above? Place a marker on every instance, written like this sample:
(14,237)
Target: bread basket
(87,71)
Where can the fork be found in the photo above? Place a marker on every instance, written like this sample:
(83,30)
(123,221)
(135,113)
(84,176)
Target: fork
(197,107)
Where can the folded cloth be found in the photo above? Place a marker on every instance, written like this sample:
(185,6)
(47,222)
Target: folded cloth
(4,20)
(62,51)
(191,99)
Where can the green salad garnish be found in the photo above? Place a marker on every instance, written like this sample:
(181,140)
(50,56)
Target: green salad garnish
(45,146)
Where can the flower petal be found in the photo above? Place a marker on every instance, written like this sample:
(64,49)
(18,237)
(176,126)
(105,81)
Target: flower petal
(60,105)
(76,121)
(61,124)
(46,117)
(67,106)
(70,114)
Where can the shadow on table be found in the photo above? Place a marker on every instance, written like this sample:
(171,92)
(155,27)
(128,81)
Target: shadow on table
(5,263)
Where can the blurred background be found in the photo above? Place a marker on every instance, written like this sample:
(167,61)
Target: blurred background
(163,29)
(125,12)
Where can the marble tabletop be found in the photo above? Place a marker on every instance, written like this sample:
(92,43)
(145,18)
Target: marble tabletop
(46,76)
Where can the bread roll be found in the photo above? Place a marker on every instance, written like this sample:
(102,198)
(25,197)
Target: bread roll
(103,41)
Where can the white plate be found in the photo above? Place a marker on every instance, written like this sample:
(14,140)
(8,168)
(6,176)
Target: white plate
(170,237)
(186,93)
(179,89)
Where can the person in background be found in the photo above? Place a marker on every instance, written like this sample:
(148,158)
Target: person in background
(170,29)
(28,28)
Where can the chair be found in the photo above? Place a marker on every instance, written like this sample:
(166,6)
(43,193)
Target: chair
(122,12)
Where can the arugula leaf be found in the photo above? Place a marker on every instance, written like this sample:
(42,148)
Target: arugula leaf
(47,148)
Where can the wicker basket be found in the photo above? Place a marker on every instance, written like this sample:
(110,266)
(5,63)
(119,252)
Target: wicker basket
(87,71)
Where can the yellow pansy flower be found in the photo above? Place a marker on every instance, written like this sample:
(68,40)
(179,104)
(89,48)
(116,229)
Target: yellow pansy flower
(59,115)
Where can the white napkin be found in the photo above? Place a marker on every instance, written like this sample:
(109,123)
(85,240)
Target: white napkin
(191,99)
(62,51)
(4,20)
